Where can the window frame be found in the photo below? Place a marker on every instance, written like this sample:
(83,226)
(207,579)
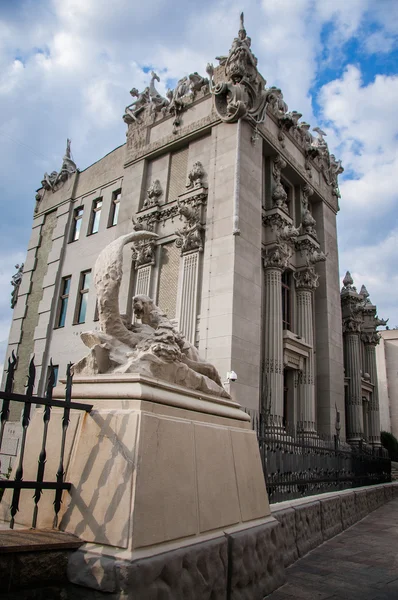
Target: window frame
(75,228)
(63,301)
(93,216)
(115,208)
(82,297)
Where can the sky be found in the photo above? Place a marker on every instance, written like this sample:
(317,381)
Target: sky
(66,68)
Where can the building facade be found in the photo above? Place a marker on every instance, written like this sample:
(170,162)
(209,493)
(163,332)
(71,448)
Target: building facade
(244,200)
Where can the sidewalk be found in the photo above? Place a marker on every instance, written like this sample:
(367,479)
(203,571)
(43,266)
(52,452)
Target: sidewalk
(359,564)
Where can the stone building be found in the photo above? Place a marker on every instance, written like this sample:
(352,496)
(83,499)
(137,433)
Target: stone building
(361,337)
(387,371)
(244,200)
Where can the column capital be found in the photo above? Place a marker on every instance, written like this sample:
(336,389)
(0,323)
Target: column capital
(307,279)
(352,325)
(278,257)
(370,338)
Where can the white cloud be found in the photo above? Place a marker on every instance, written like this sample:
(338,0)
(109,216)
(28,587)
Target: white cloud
(380,42)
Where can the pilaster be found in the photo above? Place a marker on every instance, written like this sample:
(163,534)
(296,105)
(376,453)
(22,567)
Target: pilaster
(306,283)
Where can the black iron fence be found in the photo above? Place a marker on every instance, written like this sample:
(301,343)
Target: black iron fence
(17,483)
(299,463)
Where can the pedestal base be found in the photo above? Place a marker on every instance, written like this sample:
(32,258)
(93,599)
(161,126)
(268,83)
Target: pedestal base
(167,492)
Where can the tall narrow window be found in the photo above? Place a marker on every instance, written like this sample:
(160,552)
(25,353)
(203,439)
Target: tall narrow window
(95,216)
(63,301)
(286,300)
(114,213)
(85,279)
(77,223)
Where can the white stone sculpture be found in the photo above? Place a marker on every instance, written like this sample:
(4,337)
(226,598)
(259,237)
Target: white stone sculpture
(55,180)
(153,347)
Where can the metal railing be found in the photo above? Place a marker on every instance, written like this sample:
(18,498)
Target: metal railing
(39,484)
(298,463)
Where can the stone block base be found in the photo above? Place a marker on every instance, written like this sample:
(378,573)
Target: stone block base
(241,564)
(331,517)
(256,565)
(287,520)
(308,527)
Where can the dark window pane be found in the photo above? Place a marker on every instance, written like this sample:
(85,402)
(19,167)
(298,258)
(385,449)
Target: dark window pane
(96,220)
(66,286)
(86,280)
(62,312)
(83,308)
(115,213)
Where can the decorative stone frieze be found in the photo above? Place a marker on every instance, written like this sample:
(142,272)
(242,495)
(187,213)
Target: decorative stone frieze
(190,237)
(144,253)
(54,181)
(279,195)
(153,194)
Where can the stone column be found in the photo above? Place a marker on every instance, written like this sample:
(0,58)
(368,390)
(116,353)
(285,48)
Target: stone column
(306,283)
(275,262)
(354,425)
(371,340)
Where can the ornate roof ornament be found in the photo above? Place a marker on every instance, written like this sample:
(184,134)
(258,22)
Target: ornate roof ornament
(365,295)
(16,282)
(243,93)
(348,283)
(55,181)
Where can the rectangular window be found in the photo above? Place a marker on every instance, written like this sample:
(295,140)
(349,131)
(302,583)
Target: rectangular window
(95,216)
(63,301)
(77,223)
(114,212)
(286,300)
(85,279)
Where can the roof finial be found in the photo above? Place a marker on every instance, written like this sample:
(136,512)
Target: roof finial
(242,23)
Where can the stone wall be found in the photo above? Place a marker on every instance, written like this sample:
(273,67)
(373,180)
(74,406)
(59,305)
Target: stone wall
(308,522)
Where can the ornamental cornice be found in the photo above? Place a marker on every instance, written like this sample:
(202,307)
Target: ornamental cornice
(307,279)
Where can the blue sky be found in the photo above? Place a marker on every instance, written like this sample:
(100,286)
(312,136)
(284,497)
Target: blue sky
(66,68)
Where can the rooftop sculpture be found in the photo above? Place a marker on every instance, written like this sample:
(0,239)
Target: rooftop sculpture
(53,181)
(154,347)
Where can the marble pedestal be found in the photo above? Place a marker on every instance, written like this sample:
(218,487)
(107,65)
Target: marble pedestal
(167,493)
